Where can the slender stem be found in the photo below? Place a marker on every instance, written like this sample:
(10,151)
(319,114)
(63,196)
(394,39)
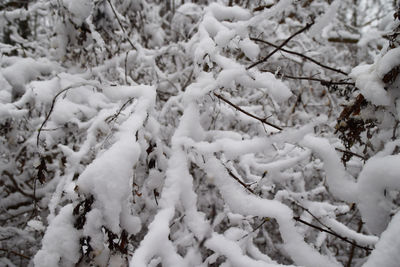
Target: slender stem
(300,55)
(353,246)
(247,113)
(120,24)
(52,107)
(308,25)
(322,81)
(330,232)
(349,152)
(15,253)
(238,180)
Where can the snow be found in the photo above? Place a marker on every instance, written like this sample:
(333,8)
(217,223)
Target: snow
(324,20)
(24,70)
(374,180)
(371,85)
(389,61)
(61,241)
(337,179)
(233,252)
(386,252)
(275,10)
(249,48)
(80,9)
(184,173)
(246,204)
(221,12)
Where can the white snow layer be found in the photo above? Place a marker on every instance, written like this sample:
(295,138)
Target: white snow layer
(324,21)
(245,204)
(386,252)
(108,176)
(80,9)
(369,77)
(370,191)
(60,241)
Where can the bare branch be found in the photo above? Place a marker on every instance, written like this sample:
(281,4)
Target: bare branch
(296,218)
(308,25)
(247,113)
(300,55)
(120,24)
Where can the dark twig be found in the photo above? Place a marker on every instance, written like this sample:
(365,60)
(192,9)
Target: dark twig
(247,113)
(312,215)
(52,107)
(394,130)
(308,25)
(15,253)
(296,218)
(255,229)
(120,24)
(12,179)
(238,180)
(300,55)
(349,152)
(188,81)
(360,223)
(115,116)
(322,81)
(126,67)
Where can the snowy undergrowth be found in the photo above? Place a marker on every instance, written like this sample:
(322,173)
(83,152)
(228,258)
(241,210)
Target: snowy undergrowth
(172,149)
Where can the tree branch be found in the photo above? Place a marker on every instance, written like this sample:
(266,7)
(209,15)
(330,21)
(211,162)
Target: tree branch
(120,24)
(238,180)
(349,152)
(308,25)
(300,55)
(52,107)
(296,218)
(322,81)
(247,113)
(15,253)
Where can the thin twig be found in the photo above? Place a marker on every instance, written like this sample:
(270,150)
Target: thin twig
(360,223)
(300,55)
(188,81)
(15,253)
(247,113)
(308,25)
(255,229)
(312,215)
(52,107)
(349,152)
(120,24)
(16,185)
(115,116)
(238,180)
(296,218)
(126,68)
(322,81)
